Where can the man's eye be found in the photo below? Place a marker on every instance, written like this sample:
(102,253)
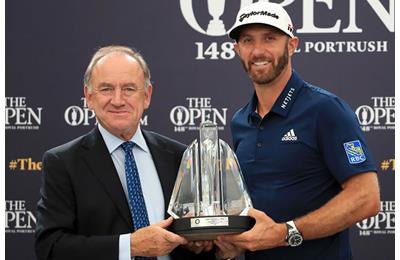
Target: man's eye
(246,40)
(105,89)
(269,38)
(129,89)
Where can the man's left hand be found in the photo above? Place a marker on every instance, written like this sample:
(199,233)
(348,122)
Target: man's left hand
(265,234)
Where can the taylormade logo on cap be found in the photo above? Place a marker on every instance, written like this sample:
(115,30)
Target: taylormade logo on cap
(267,13)
(247,15)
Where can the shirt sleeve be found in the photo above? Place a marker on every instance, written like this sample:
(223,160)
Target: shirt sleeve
(341,140)
(125,247)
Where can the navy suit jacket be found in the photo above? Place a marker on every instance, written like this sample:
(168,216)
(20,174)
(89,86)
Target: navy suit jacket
(83,208)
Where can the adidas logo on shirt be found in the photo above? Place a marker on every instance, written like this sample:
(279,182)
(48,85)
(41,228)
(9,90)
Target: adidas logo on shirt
(290,136)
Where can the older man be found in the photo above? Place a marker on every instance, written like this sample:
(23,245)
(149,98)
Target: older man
(104,194)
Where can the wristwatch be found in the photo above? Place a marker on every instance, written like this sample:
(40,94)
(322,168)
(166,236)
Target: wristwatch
(294,237)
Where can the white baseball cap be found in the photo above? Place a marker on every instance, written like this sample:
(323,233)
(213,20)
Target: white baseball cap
(262,12)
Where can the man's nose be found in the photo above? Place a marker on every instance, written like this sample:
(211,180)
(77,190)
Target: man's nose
(259,48)
(117,98)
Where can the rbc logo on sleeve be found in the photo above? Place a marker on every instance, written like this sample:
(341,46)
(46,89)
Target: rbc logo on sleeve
(354,152)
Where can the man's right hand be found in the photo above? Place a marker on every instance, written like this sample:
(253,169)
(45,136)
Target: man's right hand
(199,246)
(155,240)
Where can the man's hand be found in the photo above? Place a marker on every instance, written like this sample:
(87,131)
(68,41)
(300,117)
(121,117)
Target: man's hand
(226,250)
(199,246)
(265,234)
(155,240)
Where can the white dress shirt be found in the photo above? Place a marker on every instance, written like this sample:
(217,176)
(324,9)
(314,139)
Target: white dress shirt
(151,186)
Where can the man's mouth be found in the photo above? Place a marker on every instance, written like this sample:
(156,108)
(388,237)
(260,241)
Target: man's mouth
(118,111)
(260,63)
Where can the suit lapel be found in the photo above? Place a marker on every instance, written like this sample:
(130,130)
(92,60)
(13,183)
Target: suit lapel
(99,161)
(164,161)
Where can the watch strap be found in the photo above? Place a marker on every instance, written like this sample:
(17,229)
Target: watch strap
(291,227)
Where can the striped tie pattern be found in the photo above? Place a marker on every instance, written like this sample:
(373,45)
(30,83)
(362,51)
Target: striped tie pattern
(137,204)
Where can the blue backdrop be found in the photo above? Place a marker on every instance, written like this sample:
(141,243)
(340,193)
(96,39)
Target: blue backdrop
(346,46)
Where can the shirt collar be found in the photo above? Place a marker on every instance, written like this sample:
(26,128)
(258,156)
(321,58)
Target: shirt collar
(113,142)
(288,96)
(285,100)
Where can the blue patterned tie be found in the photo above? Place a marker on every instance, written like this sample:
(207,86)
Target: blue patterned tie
(137,204)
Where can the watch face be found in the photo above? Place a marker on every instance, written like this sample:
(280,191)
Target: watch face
(295,239)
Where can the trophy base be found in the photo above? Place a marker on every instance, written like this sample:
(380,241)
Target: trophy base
(208,228)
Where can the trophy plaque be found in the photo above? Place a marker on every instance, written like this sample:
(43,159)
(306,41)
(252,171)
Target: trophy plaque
(209,196)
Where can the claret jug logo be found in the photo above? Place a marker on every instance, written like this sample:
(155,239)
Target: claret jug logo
(199,110)
(381,224)
(83,116)
(349,21)
(217,27)
(216,8)
(378,116)
(76,115)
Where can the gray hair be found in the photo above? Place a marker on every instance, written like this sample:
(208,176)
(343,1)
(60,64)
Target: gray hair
(102,52)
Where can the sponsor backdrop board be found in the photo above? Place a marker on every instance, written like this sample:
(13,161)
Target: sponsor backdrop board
(346,47)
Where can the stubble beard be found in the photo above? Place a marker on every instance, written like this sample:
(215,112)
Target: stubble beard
(270,76)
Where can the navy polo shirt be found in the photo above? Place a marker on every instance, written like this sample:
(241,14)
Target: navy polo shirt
(295,158)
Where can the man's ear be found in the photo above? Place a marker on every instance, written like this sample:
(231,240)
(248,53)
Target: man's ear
(88,96)
(236,47)
(292,45)
(148,92)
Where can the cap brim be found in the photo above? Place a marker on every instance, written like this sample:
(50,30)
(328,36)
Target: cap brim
(235,32)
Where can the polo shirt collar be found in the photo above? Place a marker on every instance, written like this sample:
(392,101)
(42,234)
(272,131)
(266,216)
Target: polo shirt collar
(285,100)
(288,96)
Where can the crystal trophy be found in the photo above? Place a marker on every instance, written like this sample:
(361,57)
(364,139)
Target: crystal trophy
(210,196)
